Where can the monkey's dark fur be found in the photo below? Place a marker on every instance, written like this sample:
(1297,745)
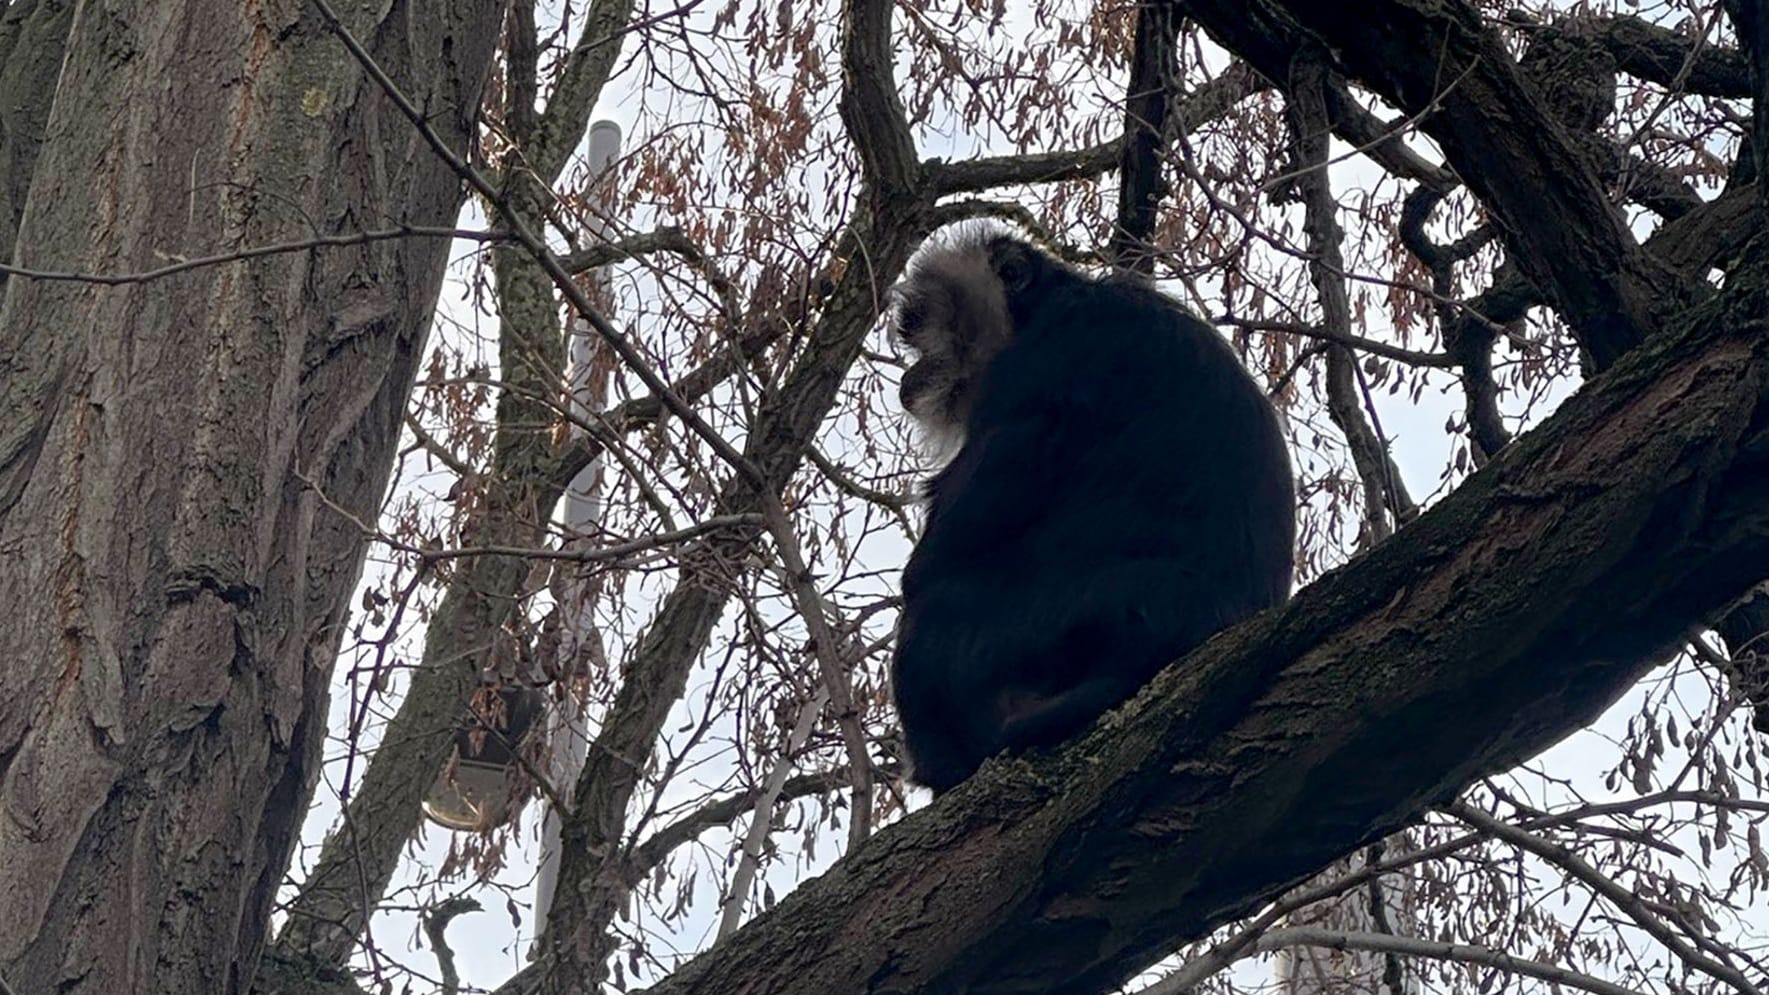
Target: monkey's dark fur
(1119,492)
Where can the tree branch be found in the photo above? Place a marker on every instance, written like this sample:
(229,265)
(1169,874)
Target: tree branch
(1207,103)
(561,126)
(1604,885)
(743,877)
(647,855)
(1183,981)
(1141,184)
(1661,55)
(1498,135)
(870,106)
(436,921)
(253,252)
(1386,502)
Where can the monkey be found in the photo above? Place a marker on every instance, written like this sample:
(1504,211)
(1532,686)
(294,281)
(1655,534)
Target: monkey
(1115,490)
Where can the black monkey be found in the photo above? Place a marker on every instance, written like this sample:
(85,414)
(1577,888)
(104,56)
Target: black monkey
(1118,491)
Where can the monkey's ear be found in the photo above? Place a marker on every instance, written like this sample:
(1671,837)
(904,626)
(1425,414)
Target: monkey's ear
(904,312)
(911,319)
(1014,267)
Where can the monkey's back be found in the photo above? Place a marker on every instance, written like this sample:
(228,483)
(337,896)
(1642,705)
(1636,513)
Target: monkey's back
(1123,492)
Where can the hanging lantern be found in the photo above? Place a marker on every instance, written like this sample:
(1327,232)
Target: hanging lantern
(474,791)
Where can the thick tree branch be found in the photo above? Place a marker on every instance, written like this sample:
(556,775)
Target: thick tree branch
(1386,502)
(1382,140)
(1751,19)
(1439,62)
(561,126)
(1141,183)
(1710,235)
(870,107)
(992,172)
(1207,103)
(1511,613)
(1662,55)
(521,73)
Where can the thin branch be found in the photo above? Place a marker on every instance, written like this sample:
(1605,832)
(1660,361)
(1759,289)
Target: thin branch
(659,845)
(1601,883)
(1185,980)
(731,909)
(666,239)
(1393,971)
(833,668)
(1386,501)
(596,554)
(1412,357)
(643,412)
(848,485)
(1208,102)
(1470,341)
(434,447)
(184,265)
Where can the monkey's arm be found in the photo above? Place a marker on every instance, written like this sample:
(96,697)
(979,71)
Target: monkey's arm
(995,489)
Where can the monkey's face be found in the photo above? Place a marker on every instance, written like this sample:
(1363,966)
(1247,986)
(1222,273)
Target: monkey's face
(951,311)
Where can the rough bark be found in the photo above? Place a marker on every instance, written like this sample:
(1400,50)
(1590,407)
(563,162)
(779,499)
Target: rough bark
(175,587)
(33,38)
(1507,616)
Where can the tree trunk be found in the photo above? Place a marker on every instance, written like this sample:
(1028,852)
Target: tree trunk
(175,586)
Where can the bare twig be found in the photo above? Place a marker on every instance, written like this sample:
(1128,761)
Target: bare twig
(834,670)
(731,909)
(1622,898)
(1335,336)
(1186,980)
(184,265)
